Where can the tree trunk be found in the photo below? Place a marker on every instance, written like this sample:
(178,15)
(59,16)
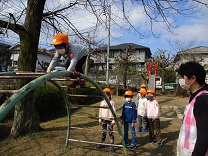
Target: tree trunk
(26,118)
(163,77)
(125,75)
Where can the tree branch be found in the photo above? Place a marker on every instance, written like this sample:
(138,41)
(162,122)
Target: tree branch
(14,27)
(60,10)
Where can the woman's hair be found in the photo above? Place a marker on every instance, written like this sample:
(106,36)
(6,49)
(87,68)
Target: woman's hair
(190,69)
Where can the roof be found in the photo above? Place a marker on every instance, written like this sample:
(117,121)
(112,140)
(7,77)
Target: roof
(4,45)
(199,50)
(41,51)
(14,46)
(125,45)
(196,50)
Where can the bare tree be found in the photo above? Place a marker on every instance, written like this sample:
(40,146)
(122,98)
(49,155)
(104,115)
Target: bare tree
(30,15)
(124,63)
(164,59)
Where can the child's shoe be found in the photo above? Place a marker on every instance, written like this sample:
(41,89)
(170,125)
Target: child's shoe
(151,141)
(112,150)
(132,148)
(143,130)
(99,146)
(139,130)
(82,84)
(73,84)
(160,143)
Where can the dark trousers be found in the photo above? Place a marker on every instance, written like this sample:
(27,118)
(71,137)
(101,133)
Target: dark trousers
(106,125)
(142,122)
(154,125)
(79,66)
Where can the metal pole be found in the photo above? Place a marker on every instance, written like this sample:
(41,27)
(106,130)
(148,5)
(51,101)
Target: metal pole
(108,48)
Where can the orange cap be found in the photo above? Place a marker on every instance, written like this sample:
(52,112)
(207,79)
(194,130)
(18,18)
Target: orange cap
(128,93)
(143,86)
(151,91)
(143,91)
(107,90)
(60,38)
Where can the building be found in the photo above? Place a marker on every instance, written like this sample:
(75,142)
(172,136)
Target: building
(138,54)
(43,58)
(198,54)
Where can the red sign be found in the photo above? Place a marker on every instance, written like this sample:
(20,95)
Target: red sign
(152,68)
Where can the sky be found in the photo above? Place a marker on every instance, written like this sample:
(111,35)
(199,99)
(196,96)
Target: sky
(186,29)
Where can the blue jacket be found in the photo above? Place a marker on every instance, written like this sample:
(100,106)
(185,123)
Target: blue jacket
(129,113)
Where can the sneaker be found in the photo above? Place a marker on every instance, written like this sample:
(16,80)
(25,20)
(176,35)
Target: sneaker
(139,130)
(132,148)
(112,150)
(143,130)
(159,143)
(99,146)
(82,84)
(127,144)
(151,142)
(73,84)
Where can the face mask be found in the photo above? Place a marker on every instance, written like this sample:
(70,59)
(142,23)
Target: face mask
(151,98)
(128,99)
(183,84)
(61,51)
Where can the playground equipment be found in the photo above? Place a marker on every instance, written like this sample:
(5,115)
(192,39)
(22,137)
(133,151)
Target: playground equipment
(39,78)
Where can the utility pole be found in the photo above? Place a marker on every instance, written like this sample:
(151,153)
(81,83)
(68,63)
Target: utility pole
(108,48)
(88,54)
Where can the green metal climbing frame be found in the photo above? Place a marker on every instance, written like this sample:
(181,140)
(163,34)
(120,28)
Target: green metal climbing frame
(21,93)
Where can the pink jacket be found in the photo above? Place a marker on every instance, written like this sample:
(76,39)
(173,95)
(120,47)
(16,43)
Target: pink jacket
(153,109)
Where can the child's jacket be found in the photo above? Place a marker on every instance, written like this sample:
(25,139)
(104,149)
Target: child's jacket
(142,107)
(153,109)
(105,113)
(129,113)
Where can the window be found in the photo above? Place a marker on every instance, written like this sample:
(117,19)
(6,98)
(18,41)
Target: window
(111,54)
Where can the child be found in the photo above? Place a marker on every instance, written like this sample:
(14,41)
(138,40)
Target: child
(142,86)
(141,111)
(129,118)
(153,113)
(106,119)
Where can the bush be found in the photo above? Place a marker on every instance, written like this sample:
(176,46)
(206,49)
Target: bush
(48,101)
(83,100)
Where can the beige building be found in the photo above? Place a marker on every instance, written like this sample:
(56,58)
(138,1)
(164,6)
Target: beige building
(198,54)
(43,58)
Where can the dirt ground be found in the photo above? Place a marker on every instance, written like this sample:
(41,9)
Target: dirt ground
(51,141)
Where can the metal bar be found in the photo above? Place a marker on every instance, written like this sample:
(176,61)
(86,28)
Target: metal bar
(75,95)
(98,143)
(86,128)
(56,79)
(30,73)
(88,106)
(8,91)
(19,77)
(67,108)
(7,73)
